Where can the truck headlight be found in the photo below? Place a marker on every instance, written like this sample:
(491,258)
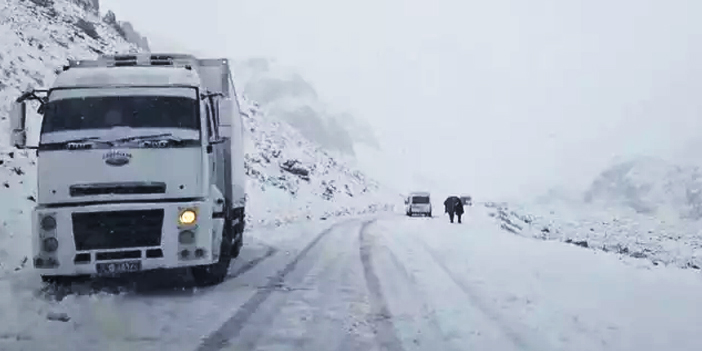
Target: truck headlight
(187,217)
(48,223)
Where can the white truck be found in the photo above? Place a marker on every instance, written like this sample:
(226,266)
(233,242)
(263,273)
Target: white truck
(140,166)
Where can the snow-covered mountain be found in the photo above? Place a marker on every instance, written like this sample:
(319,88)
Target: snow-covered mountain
(284,93)
(291,177)
(650,186)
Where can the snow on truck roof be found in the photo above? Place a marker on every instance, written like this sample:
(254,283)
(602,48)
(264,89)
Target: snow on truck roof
(149,70)
(127,76)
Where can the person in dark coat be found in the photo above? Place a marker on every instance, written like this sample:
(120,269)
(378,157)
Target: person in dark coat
(449,206)
(458,208)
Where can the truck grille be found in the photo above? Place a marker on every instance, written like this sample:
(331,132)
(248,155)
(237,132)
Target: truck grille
(124,188)
(117,229)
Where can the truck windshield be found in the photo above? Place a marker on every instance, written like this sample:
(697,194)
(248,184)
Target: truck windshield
(105,112)
(420,200)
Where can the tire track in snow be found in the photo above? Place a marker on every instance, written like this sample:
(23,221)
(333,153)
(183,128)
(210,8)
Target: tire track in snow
(253,263)
(303,316)
(233,326)
(515,337)
(382,318)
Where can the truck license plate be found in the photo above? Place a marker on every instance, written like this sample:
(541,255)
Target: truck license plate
(118,267)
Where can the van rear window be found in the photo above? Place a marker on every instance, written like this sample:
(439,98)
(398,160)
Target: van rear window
(420,200)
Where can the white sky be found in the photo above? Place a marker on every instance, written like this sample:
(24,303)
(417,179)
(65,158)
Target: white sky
(506,96)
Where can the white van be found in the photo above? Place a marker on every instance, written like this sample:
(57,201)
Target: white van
(418,203)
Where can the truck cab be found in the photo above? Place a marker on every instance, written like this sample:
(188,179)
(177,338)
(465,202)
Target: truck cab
(418,203)
(139,167)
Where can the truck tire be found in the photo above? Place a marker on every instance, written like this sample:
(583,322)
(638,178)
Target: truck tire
(238,243)
(238,232)
(215,273)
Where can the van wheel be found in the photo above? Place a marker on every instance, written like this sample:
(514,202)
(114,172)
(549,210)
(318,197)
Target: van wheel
(215,273)
(56,279)
(64,280)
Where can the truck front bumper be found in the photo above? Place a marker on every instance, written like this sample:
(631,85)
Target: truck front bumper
(123,237)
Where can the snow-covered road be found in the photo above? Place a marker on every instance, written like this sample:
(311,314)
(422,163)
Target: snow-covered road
(393,283)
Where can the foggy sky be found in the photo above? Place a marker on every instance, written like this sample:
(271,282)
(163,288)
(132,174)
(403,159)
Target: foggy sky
(506,96)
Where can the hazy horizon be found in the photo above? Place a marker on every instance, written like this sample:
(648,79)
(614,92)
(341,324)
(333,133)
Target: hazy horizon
(507,98)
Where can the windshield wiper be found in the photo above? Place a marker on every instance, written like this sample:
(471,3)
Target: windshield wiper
(147,137)
(58,145)
(80,140)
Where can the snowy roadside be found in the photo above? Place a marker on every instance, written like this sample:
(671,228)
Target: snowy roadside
(660,241)
(17,196)
(496,288)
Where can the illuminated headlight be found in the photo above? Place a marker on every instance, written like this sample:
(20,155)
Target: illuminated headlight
(48,223)
(186,237)
(187,217)
(50,244)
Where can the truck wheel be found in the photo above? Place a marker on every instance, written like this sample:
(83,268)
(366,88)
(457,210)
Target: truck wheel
(236,248)
(215,273)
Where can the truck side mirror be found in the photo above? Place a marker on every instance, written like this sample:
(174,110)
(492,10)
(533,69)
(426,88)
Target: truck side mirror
(18,132)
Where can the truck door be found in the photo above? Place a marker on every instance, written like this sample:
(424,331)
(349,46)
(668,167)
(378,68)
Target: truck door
(216,158)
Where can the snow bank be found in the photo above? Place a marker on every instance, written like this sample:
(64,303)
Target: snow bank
(658,239)
(17,195)
(292,178)
(642,207)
